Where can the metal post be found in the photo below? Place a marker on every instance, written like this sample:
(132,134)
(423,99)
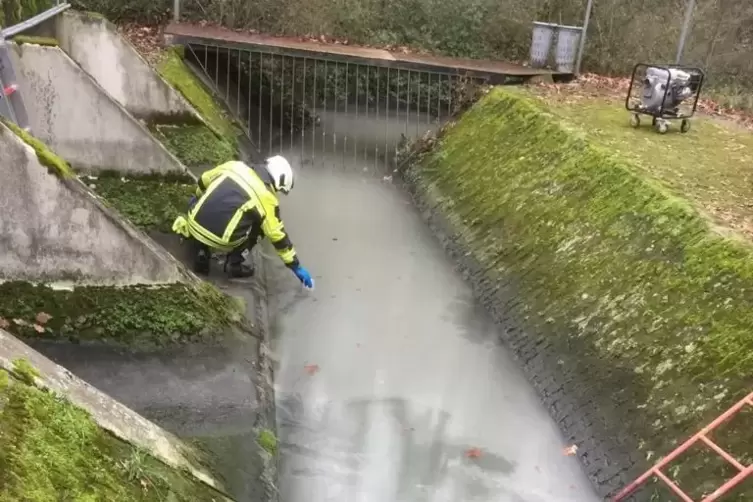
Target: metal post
(14,101)
(685,29)
(582,44)
(176,11)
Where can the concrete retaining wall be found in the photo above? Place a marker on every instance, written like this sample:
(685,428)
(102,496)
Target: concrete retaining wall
(72,114)
(56,229)
(106,412)
(95,45)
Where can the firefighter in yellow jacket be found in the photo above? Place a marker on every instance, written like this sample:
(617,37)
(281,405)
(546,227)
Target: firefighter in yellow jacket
(234,205)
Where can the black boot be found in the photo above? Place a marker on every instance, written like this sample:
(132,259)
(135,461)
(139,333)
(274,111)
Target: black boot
(239,270)
(201,263)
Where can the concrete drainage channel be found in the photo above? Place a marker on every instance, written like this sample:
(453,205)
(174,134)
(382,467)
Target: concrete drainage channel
(390,383)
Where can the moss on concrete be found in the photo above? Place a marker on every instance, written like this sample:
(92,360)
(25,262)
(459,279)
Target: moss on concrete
(174,70)
(14,11)
(151,202)
(47,158)
(268,441)
(53,450)
(195,145)
(26,39)
(138,317)
(649,306)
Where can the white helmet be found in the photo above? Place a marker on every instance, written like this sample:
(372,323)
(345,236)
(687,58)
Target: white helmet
(281,173)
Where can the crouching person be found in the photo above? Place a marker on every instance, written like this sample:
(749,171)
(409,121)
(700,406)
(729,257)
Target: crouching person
(235,205)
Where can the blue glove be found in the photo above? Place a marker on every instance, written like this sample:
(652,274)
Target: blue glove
(304,276)
(191,202)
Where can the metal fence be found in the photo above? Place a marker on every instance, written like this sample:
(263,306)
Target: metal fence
(323,108)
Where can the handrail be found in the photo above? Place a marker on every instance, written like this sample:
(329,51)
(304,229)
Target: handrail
(14,30)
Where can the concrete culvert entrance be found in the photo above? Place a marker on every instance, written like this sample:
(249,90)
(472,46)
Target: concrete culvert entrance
(391,384)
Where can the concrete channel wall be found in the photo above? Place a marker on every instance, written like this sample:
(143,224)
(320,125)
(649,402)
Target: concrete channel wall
(95,45)
(76,117)
(107,413)
(55,228)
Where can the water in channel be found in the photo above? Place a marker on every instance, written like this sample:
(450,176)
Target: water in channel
(388,373)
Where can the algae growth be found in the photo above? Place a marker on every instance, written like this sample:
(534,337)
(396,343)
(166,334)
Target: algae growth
(150,202)
(649,308)
(53,163)
(131,316)
(27,39)
(53,450)
(194,144)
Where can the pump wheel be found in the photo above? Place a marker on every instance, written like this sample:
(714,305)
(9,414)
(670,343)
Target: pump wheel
(662,127)
(635,120)
(684,126)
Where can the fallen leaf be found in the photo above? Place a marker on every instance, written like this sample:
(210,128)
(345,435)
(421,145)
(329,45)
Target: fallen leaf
(473,452)
(20,322)
(43,317)
(570,450)
(38,328)
(311,369)
(4,324)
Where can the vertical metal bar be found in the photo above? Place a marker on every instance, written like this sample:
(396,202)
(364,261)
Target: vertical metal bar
(347,98)
(685,29)
(248,95)
(418,104)
(227,80)
(292,104)
(450,90)
(407,105)
(368,103)
(387,113)
(334,116)
(261,86)
(282,96)
(376,101)
(270,79)
(217,66)
(582,43)
(315,107)
(304,107)
(324,129)
(358,88)
(238,74)
(439,97)
(428,100)
(397,114)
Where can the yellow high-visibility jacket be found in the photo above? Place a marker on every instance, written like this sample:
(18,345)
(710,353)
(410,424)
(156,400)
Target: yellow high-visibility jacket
(233,201)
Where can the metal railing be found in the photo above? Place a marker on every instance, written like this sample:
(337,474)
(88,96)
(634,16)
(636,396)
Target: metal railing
(324,108)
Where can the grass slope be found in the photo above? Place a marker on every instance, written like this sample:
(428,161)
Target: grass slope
(51,450)
(648,305)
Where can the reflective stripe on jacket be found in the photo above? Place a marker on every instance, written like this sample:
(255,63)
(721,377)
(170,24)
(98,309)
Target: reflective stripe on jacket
(233,203)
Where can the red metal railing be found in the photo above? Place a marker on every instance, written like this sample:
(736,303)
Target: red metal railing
(744,471)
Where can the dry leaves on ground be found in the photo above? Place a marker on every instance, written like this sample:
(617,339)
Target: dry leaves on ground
(147,40)
(43,318)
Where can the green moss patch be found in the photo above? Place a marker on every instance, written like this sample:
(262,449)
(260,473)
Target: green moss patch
(174,70)
(649,307)
(268,441)
(53,450)
(195,145)
(26,39)
(47,158)
(132,316)
(151,203)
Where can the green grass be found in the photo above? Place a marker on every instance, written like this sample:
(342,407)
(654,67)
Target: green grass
(174,71)
(711,165)
(132,316)
(595,226)
(151,203)
(51,450)
(195,145)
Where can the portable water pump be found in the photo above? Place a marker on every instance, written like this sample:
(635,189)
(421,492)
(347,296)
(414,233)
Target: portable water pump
(666,93)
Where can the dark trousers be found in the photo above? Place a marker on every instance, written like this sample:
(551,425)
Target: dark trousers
(202,252)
